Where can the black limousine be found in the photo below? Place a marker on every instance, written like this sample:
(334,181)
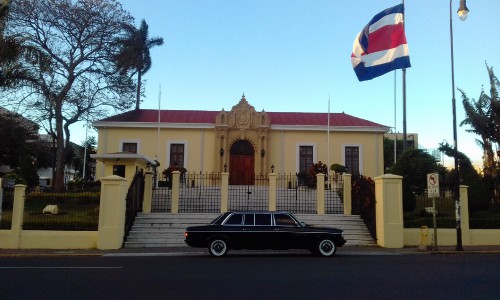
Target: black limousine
(263,230)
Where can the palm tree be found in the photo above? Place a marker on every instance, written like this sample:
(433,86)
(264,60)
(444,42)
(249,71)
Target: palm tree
(134,53)
(9,49)
(12,50)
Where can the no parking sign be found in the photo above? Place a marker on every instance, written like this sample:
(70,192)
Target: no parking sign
(432,185)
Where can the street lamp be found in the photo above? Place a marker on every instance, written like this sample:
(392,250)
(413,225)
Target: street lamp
(463,12)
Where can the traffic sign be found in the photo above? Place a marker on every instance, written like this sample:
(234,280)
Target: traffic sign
(432,185)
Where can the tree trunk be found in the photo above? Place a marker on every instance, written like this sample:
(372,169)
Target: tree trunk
(138,99)
(59,176)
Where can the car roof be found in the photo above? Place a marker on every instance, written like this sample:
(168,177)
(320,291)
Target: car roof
(260,212)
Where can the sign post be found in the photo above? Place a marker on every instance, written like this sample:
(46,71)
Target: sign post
(433,192)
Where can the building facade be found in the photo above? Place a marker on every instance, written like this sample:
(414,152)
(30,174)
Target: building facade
(242,141)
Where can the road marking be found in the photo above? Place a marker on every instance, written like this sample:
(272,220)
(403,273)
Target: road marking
(368,253)
(152,254)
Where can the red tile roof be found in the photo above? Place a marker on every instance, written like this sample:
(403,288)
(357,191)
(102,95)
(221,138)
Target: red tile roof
(208,117)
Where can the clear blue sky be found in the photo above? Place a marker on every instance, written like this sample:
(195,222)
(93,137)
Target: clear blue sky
(292,55)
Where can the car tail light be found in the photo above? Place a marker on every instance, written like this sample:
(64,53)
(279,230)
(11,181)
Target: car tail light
(185,234)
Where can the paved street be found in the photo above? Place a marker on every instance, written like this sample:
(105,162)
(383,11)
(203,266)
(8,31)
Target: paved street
(187,273)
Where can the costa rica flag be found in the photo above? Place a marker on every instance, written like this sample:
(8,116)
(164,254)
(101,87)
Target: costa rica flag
(381,46)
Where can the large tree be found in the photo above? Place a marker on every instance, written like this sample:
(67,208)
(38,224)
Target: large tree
(414,165)
(134,56)
(483,116)
(77,78)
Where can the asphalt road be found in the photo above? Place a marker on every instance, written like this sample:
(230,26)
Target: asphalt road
(252,276)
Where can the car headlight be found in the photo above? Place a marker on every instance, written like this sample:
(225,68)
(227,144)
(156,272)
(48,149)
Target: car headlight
(342,234)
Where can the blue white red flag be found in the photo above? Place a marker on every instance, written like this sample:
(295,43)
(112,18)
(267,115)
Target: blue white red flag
(381,46)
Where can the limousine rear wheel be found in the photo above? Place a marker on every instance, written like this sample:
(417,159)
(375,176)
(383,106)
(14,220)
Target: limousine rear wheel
(326,247)
(217,247)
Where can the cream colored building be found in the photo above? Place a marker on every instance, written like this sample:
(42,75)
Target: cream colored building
(241,141)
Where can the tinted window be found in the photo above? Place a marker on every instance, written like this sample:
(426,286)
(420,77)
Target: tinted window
(263,219)
(284,220)
(234,219)
(249,218)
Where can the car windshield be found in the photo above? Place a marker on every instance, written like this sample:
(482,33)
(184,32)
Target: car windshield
(302,223)
(217,219)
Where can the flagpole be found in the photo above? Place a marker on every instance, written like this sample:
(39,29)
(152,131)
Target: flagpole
(404,90)
(328,140)
(395,118)
(158,129)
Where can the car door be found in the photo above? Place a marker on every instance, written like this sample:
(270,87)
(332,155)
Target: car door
(263,237)
(233,228)
(287,232)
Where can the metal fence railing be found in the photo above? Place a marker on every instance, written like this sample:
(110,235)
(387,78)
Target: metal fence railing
(294,195)
(250,197)
(485,219)
(334,195)
(200,193)
(70,211)
(134,200)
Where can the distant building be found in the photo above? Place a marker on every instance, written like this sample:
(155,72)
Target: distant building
(411,139)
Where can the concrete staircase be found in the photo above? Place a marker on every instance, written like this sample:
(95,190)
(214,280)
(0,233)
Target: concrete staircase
(167,230)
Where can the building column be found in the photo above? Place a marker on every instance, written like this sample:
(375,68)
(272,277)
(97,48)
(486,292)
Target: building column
(464,214)
(17,215)
(224,192)
(176,178)
(112,210)
(389,211)
(347,193)
(148,192)
(272,191)
(320,193)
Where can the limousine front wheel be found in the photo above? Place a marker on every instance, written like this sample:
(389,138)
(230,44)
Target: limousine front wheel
(217,247)
(326,247)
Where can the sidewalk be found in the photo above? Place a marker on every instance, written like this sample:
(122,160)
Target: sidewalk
(188,251)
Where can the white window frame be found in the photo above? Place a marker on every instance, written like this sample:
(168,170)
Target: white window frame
(185,143)
(297,154)
(123,141)
(360,147)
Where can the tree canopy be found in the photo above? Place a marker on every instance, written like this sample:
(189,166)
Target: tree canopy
(73,75)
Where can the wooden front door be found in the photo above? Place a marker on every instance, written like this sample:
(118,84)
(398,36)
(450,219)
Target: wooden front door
(241,163)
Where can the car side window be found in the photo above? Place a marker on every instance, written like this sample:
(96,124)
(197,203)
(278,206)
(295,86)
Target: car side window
(235,219)
(284,220)
(249,219)
(263,219)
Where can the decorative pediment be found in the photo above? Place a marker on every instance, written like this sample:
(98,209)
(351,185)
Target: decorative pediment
(243,123)
(242,116)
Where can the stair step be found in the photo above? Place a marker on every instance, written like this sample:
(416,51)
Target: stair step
(167,230)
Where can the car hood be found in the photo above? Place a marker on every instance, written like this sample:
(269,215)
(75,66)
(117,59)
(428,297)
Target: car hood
(323,228)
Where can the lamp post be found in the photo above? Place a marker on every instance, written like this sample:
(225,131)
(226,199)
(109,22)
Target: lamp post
(462,14)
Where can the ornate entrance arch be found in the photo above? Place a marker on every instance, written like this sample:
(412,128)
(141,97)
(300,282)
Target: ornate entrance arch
(242,142)
(241,163)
